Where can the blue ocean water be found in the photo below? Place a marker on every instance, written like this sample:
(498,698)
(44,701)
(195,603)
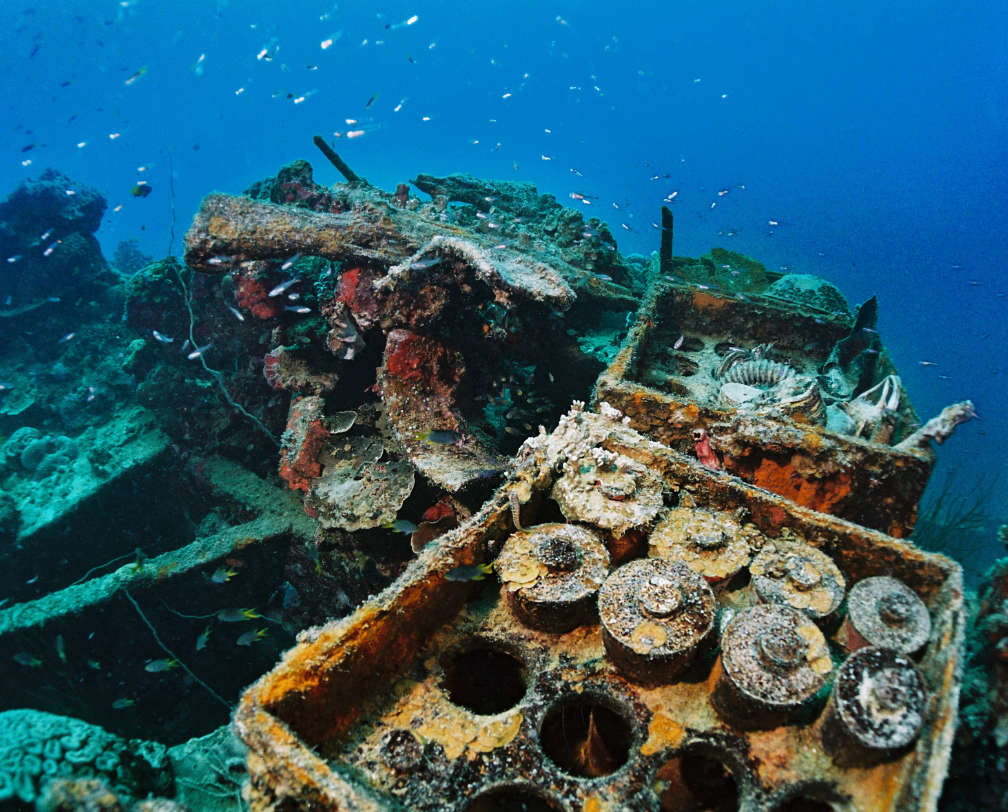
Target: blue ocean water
(863,142)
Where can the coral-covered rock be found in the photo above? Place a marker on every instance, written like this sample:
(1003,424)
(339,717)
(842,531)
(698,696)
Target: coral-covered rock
(155,300)
(303,441)
(413,357)
(252,288)
(45,200)
(295,186)
(805,288)
(356,291)
(49,233)
(978,773)
(35,745)
(285,369)
(75,794)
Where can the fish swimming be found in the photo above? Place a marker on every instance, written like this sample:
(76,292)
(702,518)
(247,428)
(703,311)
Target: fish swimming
(283,286)
(237,615)
(469,572)
(440,437)
(249,638)
(404,526)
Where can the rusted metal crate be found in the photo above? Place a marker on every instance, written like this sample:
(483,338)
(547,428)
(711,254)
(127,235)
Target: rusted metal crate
(434,695)
(691,330)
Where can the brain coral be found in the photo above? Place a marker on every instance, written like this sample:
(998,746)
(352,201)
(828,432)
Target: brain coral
(36,746)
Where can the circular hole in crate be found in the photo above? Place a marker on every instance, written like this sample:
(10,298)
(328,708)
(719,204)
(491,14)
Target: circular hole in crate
(511,799)
(586,738)
(808,796)
(697,779)
(484,679)
(801,803)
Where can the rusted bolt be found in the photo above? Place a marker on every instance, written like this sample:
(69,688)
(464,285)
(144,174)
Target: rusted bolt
(882,611)
(655,615)
(791,573)
(781,649)
(662,599)
(550,575)
(773,662)
(711,539)
(876,710)
(711,544)
(802,573)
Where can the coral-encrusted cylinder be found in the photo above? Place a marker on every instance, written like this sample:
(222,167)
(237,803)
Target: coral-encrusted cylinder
(655,616)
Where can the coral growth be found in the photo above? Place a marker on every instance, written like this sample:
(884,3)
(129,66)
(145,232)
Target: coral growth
(35,745)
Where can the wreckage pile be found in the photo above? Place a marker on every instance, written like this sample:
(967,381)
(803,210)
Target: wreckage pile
(693,596)
(618,576)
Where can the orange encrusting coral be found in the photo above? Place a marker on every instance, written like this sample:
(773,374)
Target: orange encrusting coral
(253,295)
(299,462)
(413,357)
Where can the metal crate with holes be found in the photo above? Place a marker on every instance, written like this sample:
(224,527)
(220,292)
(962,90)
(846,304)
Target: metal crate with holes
(802,402)
(655,636)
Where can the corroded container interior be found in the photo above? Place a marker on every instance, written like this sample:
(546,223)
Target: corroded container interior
(665,379)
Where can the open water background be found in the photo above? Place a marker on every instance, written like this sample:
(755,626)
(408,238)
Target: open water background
(873,133)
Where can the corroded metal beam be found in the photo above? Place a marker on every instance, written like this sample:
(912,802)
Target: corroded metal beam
(229,229)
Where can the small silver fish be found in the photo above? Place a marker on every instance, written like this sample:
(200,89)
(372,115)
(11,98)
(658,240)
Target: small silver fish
(66,338)
(162,337)
(196,353)
(14,258)
(220,259)
(426,262)
(51,248)
(236,313)
(290,262)
(404,526)
(678,342)
(283,286)
(300,310)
